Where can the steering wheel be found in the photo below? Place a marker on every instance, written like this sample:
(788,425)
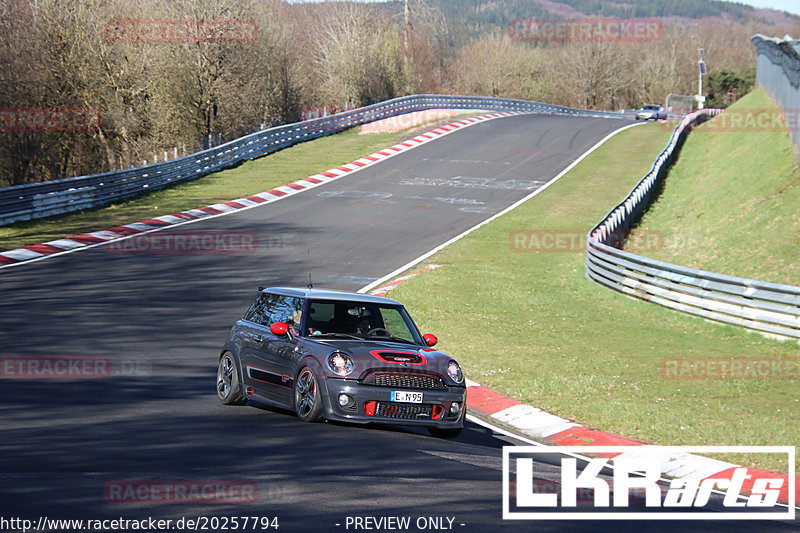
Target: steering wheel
(375,330)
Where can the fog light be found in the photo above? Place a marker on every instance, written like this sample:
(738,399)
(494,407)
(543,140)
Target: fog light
(455,408)
(346,401)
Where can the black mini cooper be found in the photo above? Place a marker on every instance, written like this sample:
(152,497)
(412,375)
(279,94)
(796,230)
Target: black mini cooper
(341,356)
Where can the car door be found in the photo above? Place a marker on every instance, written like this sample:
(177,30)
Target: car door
(266,357)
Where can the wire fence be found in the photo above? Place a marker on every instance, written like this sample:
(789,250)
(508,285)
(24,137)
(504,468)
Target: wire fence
(778,73)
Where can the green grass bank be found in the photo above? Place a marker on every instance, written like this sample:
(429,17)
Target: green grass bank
(731,204)
(527,323)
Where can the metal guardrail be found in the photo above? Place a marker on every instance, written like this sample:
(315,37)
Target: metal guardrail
(767,307)
(39,200)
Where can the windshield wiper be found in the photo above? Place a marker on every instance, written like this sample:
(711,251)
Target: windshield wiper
(391,338)
(345,335)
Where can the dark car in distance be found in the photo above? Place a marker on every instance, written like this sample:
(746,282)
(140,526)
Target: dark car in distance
(341,356)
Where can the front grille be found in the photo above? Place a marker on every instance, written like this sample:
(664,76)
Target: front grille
(405,381)
(406,411)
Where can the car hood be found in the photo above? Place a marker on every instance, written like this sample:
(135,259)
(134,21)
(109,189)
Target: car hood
(365,348)
(372,355)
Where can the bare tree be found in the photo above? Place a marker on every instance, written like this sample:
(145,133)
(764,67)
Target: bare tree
(431,49)
(358,56)
(157,95)
(53,38)
(496,65)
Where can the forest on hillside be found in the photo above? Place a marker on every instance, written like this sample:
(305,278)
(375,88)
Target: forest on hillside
(155,82)
(480,15)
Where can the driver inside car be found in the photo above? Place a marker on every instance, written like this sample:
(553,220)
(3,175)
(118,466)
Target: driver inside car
(362,327)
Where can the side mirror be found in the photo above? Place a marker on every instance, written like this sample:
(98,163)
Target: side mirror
(430,339)
(279,328)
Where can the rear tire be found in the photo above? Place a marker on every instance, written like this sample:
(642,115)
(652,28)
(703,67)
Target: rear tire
(229,391)
(307,397)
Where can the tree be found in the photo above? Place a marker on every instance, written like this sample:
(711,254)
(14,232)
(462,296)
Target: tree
(594,75)
(495,65)
(48,45)
(359,58)
(727,85)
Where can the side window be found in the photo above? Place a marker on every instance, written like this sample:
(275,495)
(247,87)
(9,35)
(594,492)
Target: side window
(258,311)
(270,308)
(286,309)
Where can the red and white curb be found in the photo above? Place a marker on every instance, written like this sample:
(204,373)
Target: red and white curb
(555,431)
(552,430)
(38,252)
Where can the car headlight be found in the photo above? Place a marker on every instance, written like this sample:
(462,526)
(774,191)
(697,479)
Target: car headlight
(454,371)
(340,363)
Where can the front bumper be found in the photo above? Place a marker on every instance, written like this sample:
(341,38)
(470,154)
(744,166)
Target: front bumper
(374,404)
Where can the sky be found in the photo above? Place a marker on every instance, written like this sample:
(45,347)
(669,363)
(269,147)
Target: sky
(792,6)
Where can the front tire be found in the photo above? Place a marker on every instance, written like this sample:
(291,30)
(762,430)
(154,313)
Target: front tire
(307,397)
(229,391)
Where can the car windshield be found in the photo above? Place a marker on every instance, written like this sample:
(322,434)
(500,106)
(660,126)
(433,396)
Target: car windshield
(361,320)
(651,107)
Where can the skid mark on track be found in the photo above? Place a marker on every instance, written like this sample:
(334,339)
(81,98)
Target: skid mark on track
(473,183)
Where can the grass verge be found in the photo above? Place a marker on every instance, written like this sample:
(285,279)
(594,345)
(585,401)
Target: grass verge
(526,323)
(731,204)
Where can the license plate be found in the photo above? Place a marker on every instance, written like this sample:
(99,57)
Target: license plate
(406,397)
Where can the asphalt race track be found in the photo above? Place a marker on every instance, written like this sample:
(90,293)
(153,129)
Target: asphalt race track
(162,318)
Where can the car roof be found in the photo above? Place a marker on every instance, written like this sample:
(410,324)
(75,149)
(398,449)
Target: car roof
(326,294)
